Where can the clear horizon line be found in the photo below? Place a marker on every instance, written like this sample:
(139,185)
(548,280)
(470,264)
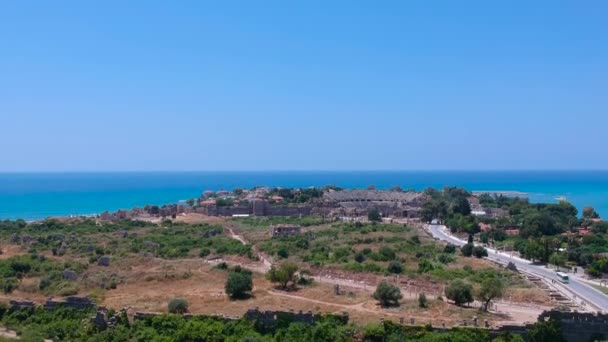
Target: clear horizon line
(301,170)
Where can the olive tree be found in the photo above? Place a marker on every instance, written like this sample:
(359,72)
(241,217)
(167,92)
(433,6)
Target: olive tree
(460,292)
(491,288)
(284,274)
(239,284)
(387,294)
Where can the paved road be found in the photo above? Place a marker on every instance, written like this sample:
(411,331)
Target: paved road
(576,287)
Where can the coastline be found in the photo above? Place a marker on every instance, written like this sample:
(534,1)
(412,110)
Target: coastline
(37,196)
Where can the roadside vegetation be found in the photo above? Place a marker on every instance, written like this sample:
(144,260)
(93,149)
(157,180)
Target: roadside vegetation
(541,232)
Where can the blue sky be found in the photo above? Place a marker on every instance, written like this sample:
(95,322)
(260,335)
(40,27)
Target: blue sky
(299,85)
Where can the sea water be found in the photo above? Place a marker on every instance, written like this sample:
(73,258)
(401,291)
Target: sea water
(34,196)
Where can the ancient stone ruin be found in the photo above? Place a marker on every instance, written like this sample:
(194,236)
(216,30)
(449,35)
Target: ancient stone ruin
(73,302)
(284,230)
(271,318)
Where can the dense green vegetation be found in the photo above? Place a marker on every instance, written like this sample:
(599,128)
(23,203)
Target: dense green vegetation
(74,325)
(450,206)
(299,196)
(88,239)
(14,269)
(545,228)
(266,221)
(542,228)
(380,248)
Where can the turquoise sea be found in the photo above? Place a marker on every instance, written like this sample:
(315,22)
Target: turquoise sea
(38,195)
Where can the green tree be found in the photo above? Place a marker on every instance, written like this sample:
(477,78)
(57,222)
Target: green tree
(480,252)
(396,188)
(460,292)
(395,267)
(538,224)
(533,250)
(600,227)
(467,250)
(422,302)
(557,259)
(507,336)
(178,306)
(462,206)
(284,274)
(239,284)
(490,289)
(374,216)
(546,331)
(590,213)
(387,294)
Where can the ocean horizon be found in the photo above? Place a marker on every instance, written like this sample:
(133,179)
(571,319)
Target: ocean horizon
(33,196)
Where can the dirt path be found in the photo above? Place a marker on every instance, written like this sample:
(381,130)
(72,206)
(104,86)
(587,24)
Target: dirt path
(355,307)
(267,263)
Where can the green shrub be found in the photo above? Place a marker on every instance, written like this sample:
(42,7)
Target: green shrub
(395,267)
(445,258)
(178,306)
(66,289)
(460,292)
(387,294)
(363,267)
(425,266)
(238,284)
(360,257)
(467,250)
(374,216)
(283,253)
(9,284)
(204,252)
(385,253)
(449,248)
(45,282)
(480,252)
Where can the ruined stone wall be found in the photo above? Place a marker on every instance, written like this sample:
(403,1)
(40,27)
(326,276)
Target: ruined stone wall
(256,209)
(288,211)
(270,318)
(226,211)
